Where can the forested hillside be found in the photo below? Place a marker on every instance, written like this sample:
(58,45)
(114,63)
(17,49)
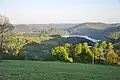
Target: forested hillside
(96,30)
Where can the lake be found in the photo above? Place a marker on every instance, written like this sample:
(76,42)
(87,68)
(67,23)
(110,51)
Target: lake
(89,38)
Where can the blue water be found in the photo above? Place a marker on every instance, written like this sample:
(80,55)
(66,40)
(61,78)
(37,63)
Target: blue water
(89,38)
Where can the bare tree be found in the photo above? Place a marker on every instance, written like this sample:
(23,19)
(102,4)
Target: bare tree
(5,27)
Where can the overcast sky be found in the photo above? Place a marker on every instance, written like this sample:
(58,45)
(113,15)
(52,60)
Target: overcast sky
(61,11)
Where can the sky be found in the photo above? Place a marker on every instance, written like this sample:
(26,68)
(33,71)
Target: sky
(60,11)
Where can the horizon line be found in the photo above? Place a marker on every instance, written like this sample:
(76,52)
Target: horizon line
(71,23)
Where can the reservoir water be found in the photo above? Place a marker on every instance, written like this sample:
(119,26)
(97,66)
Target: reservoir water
(89,38)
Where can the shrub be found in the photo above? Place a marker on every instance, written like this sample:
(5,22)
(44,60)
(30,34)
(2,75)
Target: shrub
(69,60)
(107,62)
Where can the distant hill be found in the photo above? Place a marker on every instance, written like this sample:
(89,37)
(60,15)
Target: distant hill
(111,30)
(95,25)
(22,28)
(53,31)
(38,27)
(96,30)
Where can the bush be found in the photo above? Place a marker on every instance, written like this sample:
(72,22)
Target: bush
(67,59)
(118,63)
(70,60)
(108,62)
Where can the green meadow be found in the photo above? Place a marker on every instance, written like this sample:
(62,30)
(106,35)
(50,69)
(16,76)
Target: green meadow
(53,70)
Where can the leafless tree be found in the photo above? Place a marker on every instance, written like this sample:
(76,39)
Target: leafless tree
(5,27)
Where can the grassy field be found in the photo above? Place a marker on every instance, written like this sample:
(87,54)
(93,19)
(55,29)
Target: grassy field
(40,70)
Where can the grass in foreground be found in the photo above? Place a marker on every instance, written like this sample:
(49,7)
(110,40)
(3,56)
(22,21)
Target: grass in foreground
(40,70)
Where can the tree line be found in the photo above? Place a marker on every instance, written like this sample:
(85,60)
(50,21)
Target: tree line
(103,53)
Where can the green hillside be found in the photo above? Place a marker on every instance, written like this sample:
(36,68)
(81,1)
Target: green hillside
(95,25)
(96,30)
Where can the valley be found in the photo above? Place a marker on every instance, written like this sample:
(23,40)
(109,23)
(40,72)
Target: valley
(59,39)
